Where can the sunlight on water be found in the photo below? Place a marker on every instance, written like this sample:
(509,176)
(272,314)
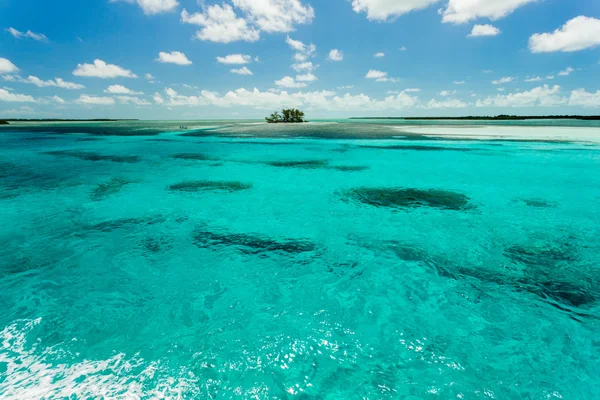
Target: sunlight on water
(221,265)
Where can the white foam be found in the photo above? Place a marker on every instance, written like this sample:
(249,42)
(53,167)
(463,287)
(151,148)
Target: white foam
(541,133)
(39,373)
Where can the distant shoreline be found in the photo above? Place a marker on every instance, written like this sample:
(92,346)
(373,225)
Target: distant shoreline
(65,120)
(496,118)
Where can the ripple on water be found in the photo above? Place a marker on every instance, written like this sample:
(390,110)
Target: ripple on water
(410,198)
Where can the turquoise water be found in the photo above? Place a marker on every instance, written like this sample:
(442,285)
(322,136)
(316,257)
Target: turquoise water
(223,265)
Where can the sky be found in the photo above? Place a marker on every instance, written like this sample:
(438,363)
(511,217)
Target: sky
(238,59)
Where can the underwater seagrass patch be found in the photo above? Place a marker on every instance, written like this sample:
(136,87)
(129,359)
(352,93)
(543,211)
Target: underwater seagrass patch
(410,198)
(210,186)
(90,156)
(251,243)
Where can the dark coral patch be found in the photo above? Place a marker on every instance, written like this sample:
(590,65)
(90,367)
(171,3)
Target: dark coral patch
(112,186)
(251,244)
(210,186)
(410,198)
(350,168)
(124,223)
(90,156)
(418,148)
(193,157)
(538,203)
(308,164)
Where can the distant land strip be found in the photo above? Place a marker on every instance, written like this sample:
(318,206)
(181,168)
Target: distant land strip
(496,118)
(65,120)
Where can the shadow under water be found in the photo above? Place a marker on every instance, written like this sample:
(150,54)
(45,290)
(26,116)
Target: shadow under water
(418,148)
(308,164)
(410,198)
(126,223)
(538,203)
(90,156)
(210,186)
(251,243)
(193,157)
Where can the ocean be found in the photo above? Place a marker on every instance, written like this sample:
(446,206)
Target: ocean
(332,260)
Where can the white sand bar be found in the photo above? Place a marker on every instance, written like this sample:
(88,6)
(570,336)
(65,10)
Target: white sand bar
(480,132)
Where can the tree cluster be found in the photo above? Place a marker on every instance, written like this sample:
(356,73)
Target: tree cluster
(290,115)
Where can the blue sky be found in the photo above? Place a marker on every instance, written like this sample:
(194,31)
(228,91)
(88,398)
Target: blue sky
(174,59)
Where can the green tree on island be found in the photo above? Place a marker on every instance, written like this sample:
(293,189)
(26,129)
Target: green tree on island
(289,115)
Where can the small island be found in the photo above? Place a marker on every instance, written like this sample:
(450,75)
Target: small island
(3,122)
(287,116)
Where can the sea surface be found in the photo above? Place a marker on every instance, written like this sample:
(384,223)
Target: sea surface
(333,260)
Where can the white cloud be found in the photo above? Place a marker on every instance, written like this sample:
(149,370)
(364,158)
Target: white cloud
(149,77)
(336,55)
(459,82)
(7,96)
(220,24)
(57,82)
(235,59)
(568,71)
(153,7)
(289,82)
(305,66)
(100,69)
(345,87)
(380,76)
(31,35)
(484,30)
(462,11)
(133,100)
(534,79)
(379,55)
(506,79)
(93,100)
(582,98)
(446,93)
(381,10)
(174,57)
(403,48)
(540,96)
(241,71)
(158,98)
(58,100)
(409,90)
(119,89)
(577,34)
(450,103)
(276,15)
(6,67)
(306,78)
(303,51)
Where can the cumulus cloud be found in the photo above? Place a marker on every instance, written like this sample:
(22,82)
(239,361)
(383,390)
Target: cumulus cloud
(289,82)
(304,66)
(153,7)
(446,93)
(580,33)
(459,82)
(381,10)
(7,67)
(58,100)
(379,55)
(174,57)
(335,55)
(100,69)
(29,34)
(463,11)
(241,71)
(534,79)
(120,89)
(7,96)
(276,15)
(57,82)
(220,24)
(540,96)
(484,30)
(506,79)
(450,103)
(380,76)
(568,71)
(94,100)
(582,98)
(306,78)
(133,100)
(303,51)
(235,59)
